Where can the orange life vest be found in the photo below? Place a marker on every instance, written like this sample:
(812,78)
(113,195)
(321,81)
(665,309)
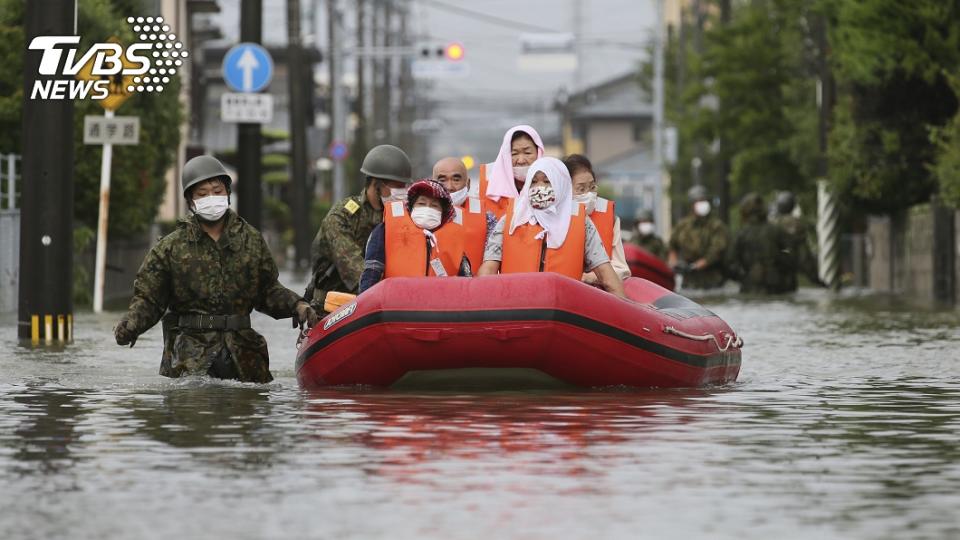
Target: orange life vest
(499,208)
(408,251)
(474,220)
(604,218)
(524,253)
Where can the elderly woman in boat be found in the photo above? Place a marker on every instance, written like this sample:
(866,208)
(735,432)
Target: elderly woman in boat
(544,231)
(501,181)
(419,237)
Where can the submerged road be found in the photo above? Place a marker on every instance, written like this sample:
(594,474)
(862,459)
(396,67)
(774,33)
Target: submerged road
(845,423)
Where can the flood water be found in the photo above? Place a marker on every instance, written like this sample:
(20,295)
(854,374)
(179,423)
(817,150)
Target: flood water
(845,423)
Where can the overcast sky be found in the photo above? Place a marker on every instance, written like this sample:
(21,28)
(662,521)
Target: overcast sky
(496,93)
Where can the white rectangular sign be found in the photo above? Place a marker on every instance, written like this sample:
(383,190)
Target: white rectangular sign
(439,69)
(246,108)
(116,130)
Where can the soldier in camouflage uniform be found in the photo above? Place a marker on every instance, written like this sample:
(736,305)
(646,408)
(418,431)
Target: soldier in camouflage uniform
(340,243)
(647,237)
(698,245)
(800,233)
(760,258)
(203,280)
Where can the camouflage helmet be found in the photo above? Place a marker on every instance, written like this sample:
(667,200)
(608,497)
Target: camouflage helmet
(752,208)
(697,193)
(387,162)
(202,168)
(785,202)
(644,214)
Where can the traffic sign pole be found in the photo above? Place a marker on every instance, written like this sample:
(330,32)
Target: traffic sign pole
(102,222)
(249,146)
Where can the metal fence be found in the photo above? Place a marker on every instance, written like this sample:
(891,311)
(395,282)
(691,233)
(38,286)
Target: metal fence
(9,232)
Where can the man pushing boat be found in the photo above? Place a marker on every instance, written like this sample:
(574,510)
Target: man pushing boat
(338,248)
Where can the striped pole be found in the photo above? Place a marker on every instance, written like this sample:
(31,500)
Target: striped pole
(827,237)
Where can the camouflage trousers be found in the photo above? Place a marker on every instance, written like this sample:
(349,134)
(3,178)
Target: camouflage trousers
(225,354)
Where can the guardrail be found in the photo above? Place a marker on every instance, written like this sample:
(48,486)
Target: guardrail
(9,232)
(9,195)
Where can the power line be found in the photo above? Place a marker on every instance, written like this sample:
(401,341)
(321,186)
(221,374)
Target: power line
(492,19)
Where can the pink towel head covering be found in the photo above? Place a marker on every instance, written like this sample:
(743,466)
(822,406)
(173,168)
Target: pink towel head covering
(555,219)
(500,172)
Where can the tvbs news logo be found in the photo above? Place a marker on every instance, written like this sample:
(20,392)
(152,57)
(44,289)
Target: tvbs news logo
(108,68)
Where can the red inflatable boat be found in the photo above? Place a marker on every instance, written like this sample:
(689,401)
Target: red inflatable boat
(540,324)
(646,265)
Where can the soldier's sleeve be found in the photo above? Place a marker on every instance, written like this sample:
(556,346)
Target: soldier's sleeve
(151,291)
(719,243)
(347,255)
(273,299)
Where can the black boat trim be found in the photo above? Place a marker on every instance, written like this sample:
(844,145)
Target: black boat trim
(717,359)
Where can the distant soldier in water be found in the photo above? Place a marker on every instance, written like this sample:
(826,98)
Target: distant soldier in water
(204,279)
(698,245)
(760,258)
(646,236)
(800,233)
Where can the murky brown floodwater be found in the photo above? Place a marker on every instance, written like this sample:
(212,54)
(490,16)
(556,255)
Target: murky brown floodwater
(845,423)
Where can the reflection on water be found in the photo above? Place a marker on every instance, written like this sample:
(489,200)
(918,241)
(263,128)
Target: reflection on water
(845,424)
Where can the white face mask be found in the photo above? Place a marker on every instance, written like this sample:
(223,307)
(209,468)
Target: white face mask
(542,197)
(646,228)
(211,207)
(701,208)
(589,198)
(460,196)
(396,194)
(426,217)
(520,173)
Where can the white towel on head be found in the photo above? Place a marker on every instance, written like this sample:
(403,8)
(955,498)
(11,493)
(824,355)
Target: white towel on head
(500,181)
(554,219)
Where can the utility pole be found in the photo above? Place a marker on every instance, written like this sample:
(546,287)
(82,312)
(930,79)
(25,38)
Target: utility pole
(387,88)
(578,41)
(338,113)
(827,210)
(658,53)
(249,146)
(45,302)
(298,137)
(723,180)
(360,134)
(697,161)
(407,99)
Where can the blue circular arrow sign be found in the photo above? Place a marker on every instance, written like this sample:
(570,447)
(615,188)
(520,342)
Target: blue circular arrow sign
(338,150)
(247,67)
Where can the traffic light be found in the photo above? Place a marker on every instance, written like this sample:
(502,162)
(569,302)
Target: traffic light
(452,51)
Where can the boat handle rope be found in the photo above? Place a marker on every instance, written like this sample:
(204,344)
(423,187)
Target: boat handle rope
(732,340)
(302,336)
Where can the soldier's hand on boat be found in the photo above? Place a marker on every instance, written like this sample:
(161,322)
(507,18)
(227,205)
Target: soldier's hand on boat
(123,333)
(304,314)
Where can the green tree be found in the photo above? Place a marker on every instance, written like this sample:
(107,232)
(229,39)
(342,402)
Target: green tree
(748,99)
(891,61)
(137,181)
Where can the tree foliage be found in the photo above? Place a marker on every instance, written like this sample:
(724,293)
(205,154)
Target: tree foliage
(743,95)
(891,62)
(137,180)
